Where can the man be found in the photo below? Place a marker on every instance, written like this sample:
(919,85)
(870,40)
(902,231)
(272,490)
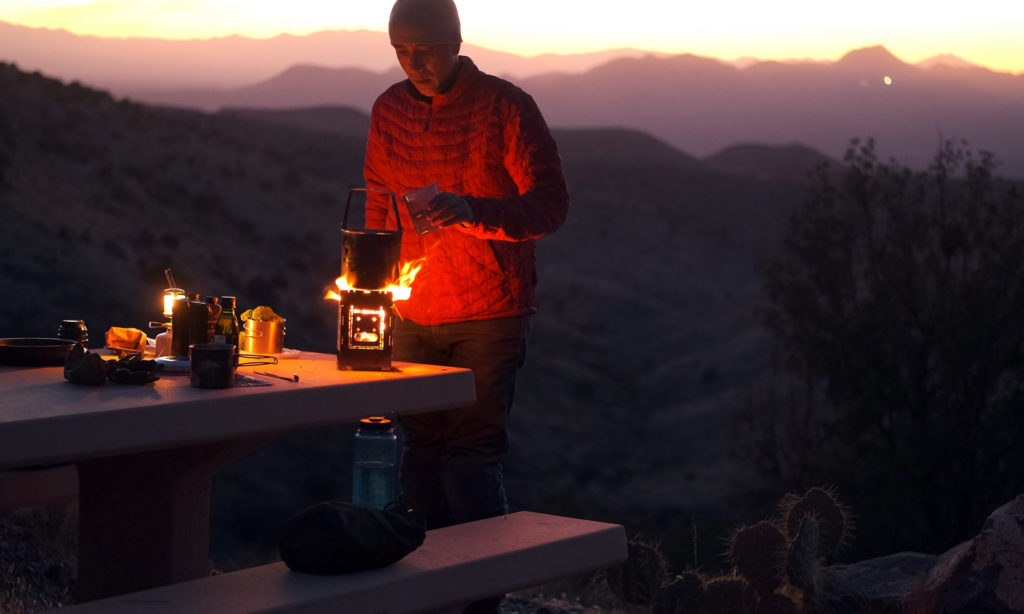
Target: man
(486,145)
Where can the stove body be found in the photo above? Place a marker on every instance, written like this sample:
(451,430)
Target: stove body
(366,321)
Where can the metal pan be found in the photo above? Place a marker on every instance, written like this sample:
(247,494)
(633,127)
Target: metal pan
(34,351)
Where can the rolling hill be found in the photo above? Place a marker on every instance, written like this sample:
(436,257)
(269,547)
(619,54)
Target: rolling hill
(696,104)
(132,63)
(702,105)
(645,332)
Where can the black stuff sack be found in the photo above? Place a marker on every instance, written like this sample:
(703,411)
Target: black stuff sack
(337,537)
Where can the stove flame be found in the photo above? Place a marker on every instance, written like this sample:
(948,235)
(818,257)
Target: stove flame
(366,337)
(400,290)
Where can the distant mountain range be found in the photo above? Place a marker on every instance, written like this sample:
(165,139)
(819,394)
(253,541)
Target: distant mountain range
(701,105)
(235,61)
(698,105)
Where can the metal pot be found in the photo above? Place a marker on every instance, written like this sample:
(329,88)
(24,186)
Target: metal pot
(370,257)
(257,337)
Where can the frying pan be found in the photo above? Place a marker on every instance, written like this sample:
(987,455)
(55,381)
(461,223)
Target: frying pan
(34,351)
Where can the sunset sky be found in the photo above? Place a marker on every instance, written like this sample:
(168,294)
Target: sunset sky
(986,32)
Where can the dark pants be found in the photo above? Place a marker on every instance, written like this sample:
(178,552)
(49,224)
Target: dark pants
(451,462)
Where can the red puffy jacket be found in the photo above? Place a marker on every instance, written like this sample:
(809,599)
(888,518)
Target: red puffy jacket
(486,141)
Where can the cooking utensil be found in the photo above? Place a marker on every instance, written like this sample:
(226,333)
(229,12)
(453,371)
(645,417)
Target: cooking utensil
(262,337)
(34,351)
(369,257)
(293,378)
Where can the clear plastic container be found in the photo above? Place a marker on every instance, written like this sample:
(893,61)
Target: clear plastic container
(418,202)
(374,455)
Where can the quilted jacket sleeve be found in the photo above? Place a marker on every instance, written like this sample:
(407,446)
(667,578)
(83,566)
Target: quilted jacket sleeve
(532,160)
(375,172)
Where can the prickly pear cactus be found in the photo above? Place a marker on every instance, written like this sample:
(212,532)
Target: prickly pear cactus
(802,559)
(835,523)
(683,595)
(640,578)
(759,555)
(777,604)
(729,595)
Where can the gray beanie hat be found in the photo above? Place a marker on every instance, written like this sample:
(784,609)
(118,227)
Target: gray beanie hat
(427,22)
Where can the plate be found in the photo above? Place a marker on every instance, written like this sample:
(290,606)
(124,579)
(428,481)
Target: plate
(173,364)
(122,352)
(34,351)
(288,353)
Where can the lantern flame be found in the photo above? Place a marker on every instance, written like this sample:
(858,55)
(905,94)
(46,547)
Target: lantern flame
(400,290)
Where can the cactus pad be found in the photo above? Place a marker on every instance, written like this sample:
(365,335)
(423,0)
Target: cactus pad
(759,554)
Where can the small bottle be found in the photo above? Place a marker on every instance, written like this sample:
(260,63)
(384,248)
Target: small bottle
(227,324)
(374,452)
(163,343)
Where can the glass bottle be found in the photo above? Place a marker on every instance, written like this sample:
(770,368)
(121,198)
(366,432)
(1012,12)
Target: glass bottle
(214,310)
(227,324)
(374,452)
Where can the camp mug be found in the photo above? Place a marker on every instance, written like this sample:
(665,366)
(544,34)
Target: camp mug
(213,365)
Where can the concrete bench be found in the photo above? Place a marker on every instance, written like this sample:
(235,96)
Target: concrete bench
(454,566)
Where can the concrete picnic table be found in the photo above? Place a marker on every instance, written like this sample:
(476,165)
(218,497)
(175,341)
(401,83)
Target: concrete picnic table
(145,455)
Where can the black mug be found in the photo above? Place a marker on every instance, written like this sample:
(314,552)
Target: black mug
(213,364)
(74,330)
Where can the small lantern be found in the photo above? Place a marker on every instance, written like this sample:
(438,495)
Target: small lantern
(171,295)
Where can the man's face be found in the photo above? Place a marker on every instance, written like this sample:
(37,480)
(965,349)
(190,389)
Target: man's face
(427,66)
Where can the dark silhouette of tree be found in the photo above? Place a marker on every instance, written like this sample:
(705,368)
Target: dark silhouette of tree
(898,300)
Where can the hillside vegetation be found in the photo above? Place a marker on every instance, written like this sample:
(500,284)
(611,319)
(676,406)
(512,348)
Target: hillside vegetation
(645,334)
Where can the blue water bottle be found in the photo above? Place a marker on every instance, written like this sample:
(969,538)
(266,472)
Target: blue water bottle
(374,452)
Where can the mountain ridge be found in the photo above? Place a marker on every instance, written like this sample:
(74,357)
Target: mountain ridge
(701,105)
(697,104)
(235,61)
(621,147)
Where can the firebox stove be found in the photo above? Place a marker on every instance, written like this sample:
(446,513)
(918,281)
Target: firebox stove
(366,318)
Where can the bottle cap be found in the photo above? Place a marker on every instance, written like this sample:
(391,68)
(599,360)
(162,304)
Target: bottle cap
(375,422)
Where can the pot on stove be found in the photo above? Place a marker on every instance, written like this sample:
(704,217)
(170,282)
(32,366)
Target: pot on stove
(369,257)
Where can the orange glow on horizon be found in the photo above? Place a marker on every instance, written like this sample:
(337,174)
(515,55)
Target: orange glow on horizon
(987,32)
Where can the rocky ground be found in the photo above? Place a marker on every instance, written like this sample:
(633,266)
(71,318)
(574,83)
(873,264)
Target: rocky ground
(980,575)
(37,559)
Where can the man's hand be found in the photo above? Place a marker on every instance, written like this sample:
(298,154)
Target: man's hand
(447,209)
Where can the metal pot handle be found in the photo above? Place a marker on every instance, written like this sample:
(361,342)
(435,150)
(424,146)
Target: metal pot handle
(394,203)
(259,359)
